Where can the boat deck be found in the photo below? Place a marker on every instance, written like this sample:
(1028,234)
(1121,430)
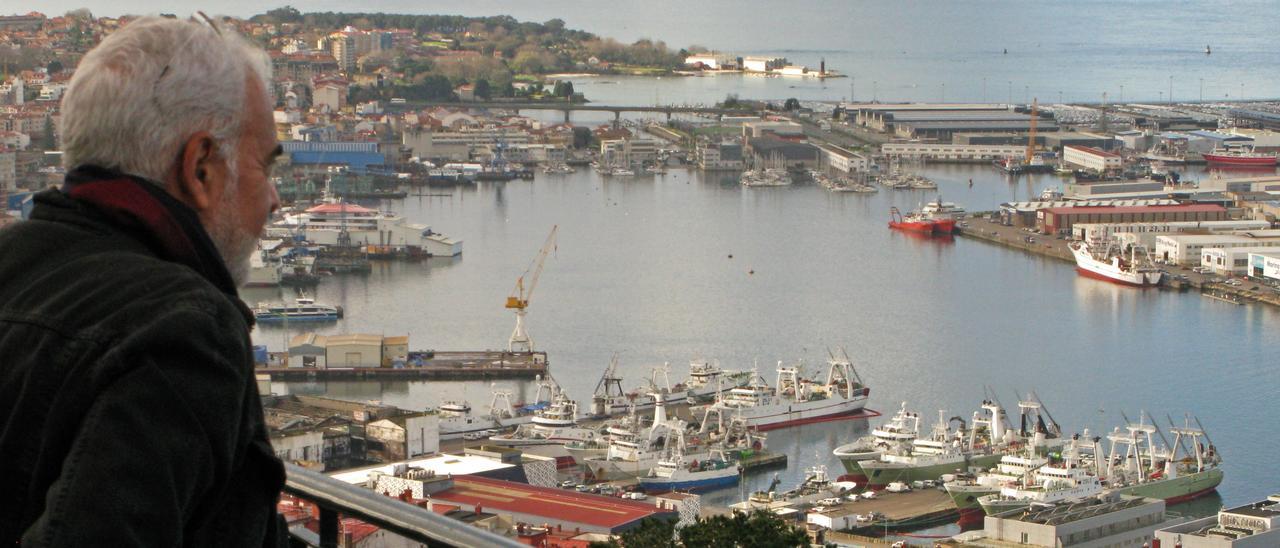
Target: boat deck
(479,364)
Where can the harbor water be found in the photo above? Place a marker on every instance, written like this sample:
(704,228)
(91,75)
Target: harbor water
(691,265)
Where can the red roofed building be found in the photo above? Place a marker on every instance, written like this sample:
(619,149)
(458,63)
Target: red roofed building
(557,507)
(1058,220)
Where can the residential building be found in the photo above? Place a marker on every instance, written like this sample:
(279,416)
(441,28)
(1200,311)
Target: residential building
(720,156)
(628,152)
(8,172)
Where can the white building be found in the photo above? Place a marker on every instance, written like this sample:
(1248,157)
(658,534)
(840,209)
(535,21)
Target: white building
(842,159)
(1111,522)
(713,61)
(1229,261)
(1091,158)
(628,152)
(305,445)
(1254,525)
(943,151)
(835,519)
(720,156)
(1145,233)
(1265,265)
(763,64)
(405,436)
(1185,249)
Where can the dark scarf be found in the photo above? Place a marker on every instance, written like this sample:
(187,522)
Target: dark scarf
(144,210)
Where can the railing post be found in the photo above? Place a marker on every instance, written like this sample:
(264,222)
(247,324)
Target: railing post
(328,528)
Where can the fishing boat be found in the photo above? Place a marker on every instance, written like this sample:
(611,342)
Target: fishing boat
(1189,468)
(1240,156)
(304,309)
(794,400)
(947,452)
(336,223)
(1107,261)
(945,215)
(901,429)
(678,471)
(911,222)
(1068,479)
(457,419)
(706,379)
(556,424)
(1038,439)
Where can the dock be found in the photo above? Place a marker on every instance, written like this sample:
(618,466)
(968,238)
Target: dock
(463,365)
(901,512)
(979,228)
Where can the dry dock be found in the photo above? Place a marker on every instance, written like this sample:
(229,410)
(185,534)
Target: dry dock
(467,365)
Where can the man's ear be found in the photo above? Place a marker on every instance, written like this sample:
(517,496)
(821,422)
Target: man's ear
(197,182)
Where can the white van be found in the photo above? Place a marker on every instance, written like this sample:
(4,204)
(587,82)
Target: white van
(897,487)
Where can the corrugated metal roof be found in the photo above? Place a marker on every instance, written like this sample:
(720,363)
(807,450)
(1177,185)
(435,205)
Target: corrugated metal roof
(1137,209)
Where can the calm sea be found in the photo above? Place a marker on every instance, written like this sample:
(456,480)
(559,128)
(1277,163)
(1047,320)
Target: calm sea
(688,265)
(913,51)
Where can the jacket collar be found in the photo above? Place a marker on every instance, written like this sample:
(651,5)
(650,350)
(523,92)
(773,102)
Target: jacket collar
(146,212)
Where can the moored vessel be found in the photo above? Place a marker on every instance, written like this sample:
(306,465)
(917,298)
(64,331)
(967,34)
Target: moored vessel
(795,400)
(303,309)
(1107,261)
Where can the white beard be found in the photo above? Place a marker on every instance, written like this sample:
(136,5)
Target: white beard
(234,244)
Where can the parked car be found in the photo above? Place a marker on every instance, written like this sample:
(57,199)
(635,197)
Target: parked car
(635,495)
(832,501)
(568,484)
(897,487)
(869,495)
(852,497)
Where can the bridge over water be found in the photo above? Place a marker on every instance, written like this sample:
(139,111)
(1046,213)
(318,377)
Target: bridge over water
(569,108)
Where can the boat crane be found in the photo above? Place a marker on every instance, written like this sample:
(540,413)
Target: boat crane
(519,298)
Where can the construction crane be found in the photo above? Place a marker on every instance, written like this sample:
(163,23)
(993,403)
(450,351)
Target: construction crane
(519,299)
(1031,137)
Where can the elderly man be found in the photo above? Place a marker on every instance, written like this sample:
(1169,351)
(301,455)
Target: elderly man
(129,414)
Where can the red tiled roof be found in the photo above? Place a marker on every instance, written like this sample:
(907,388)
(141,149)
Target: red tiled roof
(553,504)
(1193,208)
(340,208)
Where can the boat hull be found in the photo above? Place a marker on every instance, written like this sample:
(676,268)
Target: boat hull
(1179,489)
(662,485)
(778,416)
(966,497)
(1090,267)
(1260,160)
(882,474)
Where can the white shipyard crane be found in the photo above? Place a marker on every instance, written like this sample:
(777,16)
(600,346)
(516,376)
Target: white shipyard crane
(519,299)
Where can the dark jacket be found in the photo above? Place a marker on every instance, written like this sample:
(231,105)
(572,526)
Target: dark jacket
(129,412)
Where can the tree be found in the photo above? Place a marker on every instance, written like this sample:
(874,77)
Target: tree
(652,533)
(54,67)
(483,90)
(730,101)
(791,104)
(759,528)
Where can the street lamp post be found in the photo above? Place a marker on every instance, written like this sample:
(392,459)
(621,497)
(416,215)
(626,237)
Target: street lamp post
(1010,92)
(1202,90)
(1121,93)
(984,89)
(1170,89)
(1059,96)
(944,93)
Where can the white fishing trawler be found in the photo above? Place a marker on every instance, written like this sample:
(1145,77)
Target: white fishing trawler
(1108,261)
(557,424)
(706,379)
(339,223)
(458,421)
(795,400)
(678,470)
(901,429)
(1068,479)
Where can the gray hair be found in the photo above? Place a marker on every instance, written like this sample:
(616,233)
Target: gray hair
(138,96)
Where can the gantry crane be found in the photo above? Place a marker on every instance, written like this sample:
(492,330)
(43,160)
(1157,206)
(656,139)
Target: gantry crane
(519,299)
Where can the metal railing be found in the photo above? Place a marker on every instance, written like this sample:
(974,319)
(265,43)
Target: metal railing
(418,524)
